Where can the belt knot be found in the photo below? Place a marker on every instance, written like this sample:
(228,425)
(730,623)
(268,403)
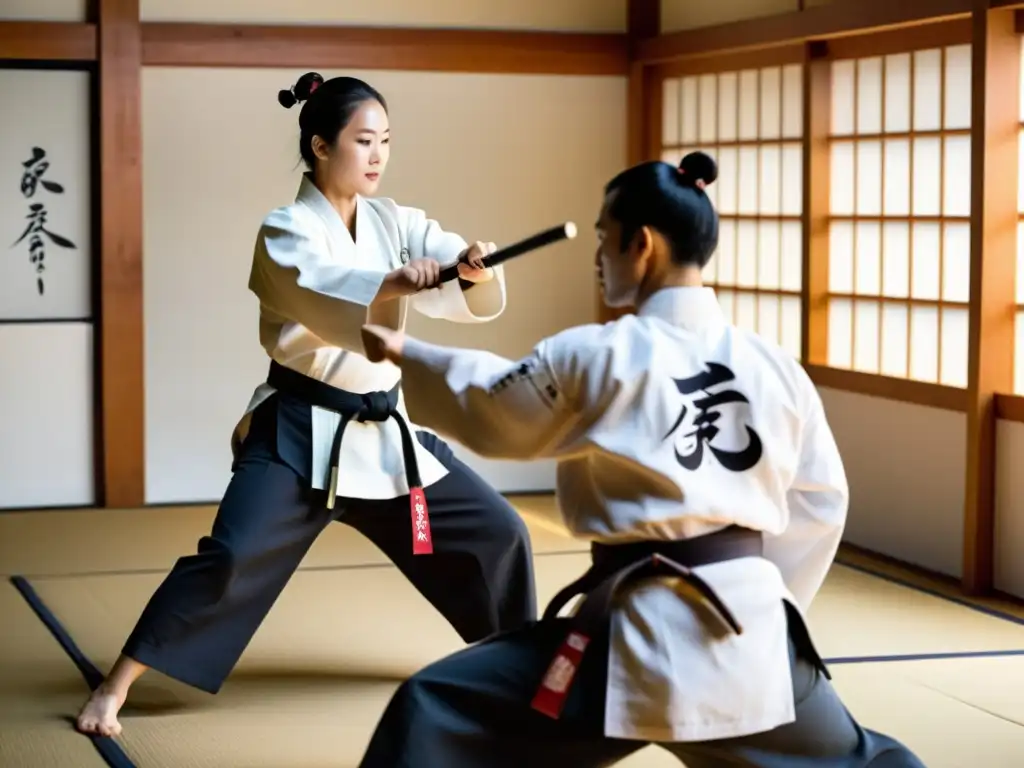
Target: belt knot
(375,407)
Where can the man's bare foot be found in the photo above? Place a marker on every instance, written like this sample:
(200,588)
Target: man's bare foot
(99,715)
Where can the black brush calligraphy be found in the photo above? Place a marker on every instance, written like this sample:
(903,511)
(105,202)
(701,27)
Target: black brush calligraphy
(36,232)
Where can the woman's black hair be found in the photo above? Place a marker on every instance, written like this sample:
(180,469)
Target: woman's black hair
(672,201)
(329,107)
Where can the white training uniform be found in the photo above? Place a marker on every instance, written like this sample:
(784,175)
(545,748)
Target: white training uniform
(315,284)
(601,399)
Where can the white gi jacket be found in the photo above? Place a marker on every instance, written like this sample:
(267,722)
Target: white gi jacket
(315,284)
(603,400)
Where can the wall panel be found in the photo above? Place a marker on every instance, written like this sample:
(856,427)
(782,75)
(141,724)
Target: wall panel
(46,407)
(1009,538)
(46,332)
(45,195)
(906,470)
(577,15)
(44,10)
(492,157)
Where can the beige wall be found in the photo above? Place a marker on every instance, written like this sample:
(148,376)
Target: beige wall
(46,339)
(906,465)
(491,157)
(44,10)
(1009,575)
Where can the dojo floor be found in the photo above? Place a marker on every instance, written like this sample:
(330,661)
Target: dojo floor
(907,656)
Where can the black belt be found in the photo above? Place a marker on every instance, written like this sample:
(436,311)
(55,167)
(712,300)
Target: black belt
(370,406)
(614,566)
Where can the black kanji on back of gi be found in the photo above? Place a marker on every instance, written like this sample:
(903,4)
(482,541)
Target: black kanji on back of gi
(705,428)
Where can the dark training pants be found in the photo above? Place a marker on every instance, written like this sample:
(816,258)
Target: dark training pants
(201,618)
(472,710)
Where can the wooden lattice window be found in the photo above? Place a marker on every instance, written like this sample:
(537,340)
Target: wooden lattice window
(751,122)
(899,251)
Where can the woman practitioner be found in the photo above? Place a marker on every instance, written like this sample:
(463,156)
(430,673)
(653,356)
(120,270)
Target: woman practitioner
(697,459)
(326,437)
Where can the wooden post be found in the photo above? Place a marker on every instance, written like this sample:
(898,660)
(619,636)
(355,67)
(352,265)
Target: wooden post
(121,409)
(644,22)
(995,72)
(817,197)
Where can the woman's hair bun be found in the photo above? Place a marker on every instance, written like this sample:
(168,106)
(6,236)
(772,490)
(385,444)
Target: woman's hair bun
(698,167)
(301,91)
(286,99)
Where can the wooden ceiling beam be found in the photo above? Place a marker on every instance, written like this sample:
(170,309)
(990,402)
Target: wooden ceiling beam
(440,50)
(47,41)
(837,19)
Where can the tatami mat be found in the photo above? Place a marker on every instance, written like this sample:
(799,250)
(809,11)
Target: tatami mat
(312,721)
(344,620)
(312,684)
(76,542)
(857,614)
(39,688)
(368,621)
(939,718)
(307,669)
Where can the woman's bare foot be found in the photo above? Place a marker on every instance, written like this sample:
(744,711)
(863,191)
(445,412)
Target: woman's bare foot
(99,714)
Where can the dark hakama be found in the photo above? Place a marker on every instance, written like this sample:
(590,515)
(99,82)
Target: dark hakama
(490,705)
(201,618)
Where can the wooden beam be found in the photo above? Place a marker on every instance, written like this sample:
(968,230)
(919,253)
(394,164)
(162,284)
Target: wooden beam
(842,17)
(817,157)
(120,348)
(995,72)
(937,35)
(440,50)
(643,102)
(889,388)
(45,41)
(1010,408)
(779,56)
(643,19)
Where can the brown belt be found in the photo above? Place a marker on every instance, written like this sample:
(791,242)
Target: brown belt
(616,565)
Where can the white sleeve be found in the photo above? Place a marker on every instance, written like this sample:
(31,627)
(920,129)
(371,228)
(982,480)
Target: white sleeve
(818,503)
(495,407)
(292,276)
(427,240)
